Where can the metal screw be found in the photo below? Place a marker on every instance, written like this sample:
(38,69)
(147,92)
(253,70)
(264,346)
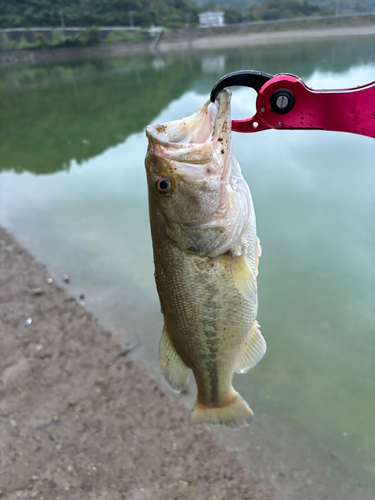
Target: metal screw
(280,124)
(282,101)
(264,109)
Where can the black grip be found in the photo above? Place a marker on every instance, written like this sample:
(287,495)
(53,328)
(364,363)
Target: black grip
(245,78)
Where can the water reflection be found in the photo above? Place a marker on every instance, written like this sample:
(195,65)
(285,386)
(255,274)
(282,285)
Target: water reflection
(53,115)
(314,194)
(56,113)
(213,64)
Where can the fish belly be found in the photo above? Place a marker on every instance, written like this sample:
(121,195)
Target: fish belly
(206,317)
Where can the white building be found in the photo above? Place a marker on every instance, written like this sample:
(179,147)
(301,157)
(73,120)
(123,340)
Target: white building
(209,19)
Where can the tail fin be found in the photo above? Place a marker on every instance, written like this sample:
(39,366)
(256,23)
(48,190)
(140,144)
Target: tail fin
(237,414)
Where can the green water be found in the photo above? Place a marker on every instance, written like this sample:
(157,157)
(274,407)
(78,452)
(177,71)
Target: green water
(73,191)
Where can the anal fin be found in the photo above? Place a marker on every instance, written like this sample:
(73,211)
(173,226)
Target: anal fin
(253,351)
(174,369)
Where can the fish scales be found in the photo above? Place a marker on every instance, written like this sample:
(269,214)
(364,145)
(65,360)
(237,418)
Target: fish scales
(204,333)
(206,260)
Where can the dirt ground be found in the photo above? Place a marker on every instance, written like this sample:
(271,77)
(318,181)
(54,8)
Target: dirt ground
(79,420)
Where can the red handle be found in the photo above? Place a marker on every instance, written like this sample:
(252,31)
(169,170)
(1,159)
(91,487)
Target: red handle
(346,110)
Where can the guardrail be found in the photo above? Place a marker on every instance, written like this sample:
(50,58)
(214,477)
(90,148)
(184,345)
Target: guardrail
(67,28)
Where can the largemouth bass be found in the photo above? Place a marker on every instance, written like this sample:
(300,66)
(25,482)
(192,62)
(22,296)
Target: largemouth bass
(206,260)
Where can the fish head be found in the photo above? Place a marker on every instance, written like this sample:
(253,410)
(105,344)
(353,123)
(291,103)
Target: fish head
(197,196)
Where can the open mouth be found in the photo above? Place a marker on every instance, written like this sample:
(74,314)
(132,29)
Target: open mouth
(180,138)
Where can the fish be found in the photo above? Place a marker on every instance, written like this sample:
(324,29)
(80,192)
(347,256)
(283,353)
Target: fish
(206,254)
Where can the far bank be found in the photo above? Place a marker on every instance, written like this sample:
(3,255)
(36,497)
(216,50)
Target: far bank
(187,39)
(241,38)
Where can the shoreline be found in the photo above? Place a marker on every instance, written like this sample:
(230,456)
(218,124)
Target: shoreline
(271,37)
(80,418)
(185,43)
(82,414)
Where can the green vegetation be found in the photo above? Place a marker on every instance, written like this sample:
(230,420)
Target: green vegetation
(342,6)
(119,36)
(142,14)
(285,9)
(233,15)
(84,38)
(348,6)
(238,4)
(27,13)
(269,10)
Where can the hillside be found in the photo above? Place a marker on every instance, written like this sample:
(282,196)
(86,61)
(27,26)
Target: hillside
(169,13)
(238,4)
(343,6)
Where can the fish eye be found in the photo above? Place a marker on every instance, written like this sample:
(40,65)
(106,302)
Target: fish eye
(163,185)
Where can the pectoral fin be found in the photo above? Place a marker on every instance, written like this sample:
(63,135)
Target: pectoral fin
(174,369)
(253,350)
(243,278)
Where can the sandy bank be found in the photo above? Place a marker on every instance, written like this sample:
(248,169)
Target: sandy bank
(266,38)
(80,420)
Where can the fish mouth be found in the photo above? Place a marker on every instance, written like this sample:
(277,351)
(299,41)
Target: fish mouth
(193,139)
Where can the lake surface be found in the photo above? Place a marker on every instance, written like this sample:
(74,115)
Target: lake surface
(73,191)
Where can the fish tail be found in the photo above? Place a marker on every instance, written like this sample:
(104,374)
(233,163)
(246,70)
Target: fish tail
(236,414)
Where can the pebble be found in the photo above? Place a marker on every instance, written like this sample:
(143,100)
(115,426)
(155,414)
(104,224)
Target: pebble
(37,292)
(29,321)
(49,280)
(66,278)
(13,423)
(69,299)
